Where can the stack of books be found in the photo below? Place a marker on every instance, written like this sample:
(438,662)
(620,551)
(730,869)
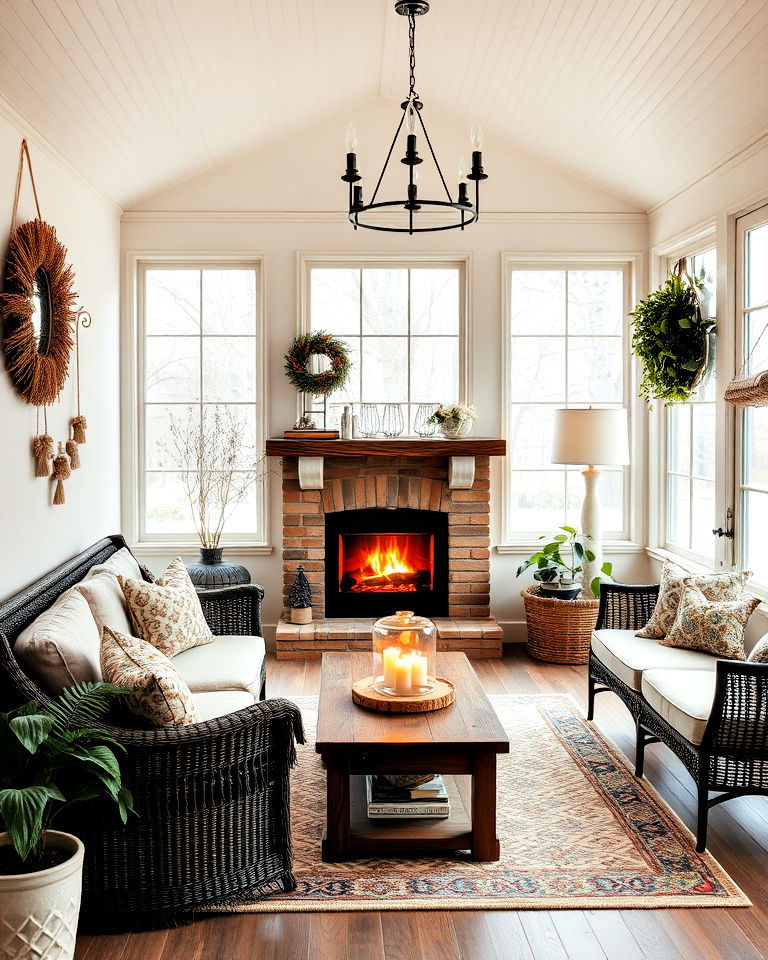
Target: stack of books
(425,800)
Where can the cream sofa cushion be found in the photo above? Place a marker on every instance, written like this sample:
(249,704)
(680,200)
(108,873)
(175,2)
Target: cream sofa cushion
(61,646)
(626,655)
(209,706)
(122,563)
(157,692)
(104,596)
(682,697)
(229,663)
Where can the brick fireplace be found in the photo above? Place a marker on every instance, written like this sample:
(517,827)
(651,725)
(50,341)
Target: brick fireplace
(425,503)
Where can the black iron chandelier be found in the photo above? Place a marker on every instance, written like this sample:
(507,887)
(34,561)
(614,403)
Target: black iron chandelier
(461,211)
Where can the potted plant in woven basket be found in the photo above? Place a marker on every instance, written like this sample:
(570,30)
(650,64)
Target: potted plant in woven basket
(50,757)
(559,631)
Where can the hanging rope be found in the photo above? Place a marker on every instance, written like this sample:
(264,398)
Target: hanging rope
(24,153)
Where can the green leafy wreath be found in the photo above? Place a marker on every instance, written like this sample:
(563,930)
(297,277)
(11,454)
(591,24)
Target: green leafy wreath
(318,384)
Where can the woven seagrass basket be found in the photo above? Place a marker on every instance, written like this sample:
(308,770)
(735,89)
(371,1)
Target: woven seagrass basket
(559,631)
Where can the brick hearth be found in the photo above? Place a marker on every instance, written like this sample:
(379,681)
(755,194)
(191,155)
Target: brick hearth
(360,482)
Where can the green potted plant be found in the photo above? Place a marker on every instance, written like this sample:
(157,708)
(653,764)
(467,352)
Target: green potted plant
(454,419)
(672,337)
(558,565)
(51,757)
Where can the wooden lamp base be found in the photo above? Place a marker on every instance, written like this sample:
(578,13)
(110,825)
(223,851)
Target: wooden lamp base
(364,694)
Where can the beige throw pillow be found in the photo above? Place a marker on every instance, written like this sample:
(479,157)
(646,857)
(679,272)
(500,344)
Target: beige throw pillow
(107,602)
(61,646)
(713,626)
(714,586)
(167,613)
(158,693)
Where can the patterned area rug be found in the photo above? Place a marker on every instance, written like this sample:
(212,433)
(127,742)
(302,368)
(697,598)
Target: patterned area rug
(577,830)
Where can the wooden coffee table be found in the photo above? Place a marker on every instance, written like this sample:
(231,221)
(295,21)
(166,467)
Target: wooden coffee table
(460,742)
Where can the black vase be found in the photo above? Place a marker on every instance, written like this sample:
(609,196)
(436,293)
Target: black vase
(210,571)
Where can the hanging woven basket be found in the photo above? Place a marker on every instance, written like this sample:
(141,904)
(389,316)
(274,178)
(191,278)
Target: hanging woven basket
(559,631)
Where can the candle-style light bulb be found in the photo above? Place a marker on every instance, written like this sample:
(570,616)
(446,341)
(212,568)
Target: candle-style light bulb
(351,138)
(410,119)
(415,174)
(476,136)
(462,169)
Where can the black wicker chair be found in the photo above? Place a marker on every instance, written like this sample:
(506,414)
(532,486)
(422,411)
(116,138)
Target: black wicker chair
(212,799)
(733,754)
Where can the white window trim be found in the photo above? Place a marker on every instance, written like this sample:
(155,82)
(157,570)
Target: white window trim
(305,260)
(132,407)
(664,258)
(634,264)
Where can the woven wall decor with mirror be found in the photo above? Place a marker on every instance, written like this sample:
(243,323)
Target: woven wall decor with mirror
(39,326)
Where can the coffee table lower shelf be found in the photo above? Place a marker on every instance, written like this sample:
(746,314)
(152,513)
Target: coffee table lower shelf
(408,835)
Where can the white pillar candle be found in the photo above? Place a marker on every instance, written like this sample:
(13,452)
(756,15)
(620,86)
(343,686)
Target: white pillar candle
(419,670)
(389,657)
(403,670)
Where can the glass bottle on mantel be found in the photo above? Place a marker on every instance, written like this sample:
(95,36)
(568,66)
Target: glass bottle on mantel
(404,655)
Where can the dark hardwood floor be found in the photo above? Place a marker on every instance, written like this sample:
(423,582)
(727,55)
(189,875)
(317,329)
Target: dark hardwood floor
(738,838)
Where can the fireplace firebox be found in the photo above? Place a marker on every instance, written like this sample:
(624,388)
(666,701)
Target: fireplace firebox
(381,560)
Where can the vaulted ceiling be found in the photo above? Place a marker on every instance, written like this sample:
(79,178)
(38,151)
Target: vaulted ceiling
(642,97)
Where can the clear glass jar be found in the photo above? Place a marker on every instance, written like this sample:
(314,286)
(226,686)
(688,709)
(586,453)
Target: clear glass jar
(404,654)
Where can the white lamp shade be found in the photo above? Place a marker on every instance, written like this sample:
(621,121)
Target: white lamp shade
(591,437)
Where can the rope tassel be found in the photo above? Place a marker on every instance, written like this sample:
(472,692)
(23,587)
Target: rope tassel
(73,453)
(61,471)
(79,424)
(42,451)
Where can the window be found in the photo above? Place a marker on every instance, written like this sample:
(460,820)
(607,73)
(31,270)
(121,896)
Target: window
(198,338)
(403,325)
(752,319)
(690,483)
(566,347)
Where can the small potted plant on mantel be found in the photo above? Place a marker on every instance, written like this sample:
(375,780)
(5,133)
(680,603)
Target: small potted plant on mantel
(558,631)
(50,757)
(454,419)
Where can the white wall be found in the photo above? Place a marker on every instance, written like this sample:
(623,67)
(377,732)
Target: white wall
(295,179)
(37,535)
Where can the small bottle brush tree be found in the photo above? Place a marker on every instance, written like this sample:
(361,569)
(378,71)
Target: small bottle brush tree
(300,598)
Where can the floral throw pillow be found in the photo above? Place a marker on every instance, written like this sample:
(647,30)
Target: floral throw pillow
(759,652)
(157,692)
(712,626)
(714,586)
(167,613)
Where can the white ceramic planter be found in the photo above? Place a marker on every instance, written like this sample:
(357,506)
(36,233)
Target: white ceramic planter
(39,911)
(456,431)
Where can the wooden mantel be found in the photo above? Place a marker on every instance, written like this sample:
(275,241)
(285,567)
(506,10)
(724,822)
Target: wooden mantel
(459,453)
(396,447)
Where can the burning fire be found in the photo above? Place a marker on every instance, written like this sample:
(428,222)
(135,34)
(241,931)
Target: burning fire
(389,558)
(390,563)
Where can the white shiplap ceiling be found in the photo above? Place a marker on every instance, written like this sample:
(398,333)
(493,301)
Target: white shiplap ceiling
(642,97)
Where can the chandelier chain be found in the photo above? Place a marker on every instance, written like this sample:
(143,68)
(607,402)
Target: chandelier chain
(412,95)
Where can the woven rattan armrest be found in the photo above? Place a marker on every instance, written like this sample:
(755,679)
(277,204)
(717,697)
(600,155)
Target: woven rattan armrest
(233,610)
(626,606)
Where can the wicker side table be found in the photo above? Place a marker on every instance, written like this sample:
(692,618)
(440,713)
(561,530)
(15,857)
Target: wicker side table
(559,631)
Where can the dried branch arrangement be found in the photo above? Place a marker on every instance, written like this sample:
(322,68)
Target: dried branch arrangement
(217,468)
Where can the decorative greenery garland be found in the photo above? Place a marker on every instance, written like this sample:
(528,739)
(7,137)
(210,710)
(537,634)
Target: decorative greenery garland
(671,338)
(318,384)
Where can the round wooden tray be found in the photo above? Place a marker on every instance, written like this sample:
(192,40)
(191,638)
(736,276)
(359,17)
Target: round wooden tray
(364,695)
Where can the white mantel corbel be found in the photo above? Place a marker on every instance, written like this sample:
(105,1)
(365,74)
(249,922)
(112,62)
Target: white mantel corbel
(311,473)
(461,473)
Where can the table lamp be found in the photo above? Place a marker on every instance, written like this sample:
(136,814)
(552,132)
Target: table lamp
(591,437)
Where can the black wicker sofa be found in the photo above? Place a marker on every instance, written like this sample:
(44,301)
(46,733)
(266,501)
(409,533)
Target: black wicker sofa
(212,799)
(716,712)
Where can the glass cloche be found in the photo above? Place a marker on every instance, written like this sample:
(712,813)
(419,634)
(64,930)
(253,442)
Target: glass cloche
(404,654)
